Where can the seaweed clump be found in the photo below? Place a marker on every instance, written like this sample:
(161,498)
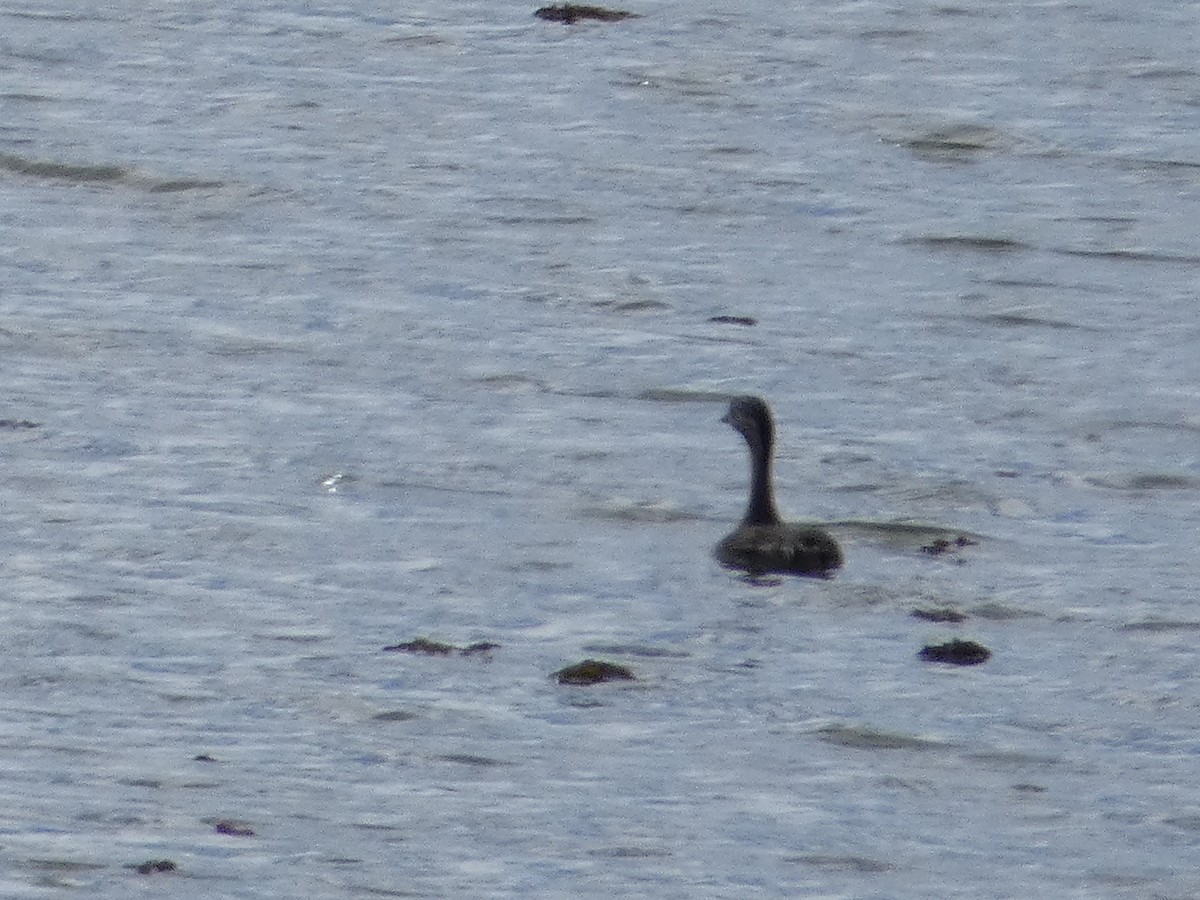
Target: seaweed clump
(593,671)
(957,653)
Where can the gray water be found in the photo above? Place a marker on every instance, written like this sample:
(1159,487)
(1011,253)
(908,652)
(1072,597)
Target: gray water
(328,327)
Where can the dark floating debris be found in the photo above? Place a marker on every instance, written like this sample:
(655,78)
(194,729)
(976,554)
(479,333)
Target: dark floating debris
(593,671)
(747,321)
(154,866)
(14,424)
(956,653)
(939,614)
(942,545)
(234,828)
(204,757)
(570,13)
(437,648)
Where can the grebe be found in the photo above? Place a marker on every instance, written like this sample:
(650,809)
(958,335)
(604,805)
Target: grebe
(764,542)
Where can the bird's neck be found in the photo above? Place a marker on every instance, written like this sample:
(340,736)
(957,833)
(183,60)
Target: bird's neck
(761,510)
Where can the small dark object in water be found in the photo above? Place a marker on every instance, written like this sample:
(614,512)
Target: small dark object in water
(942,545)
(152,866)
(939,614)
(958,653)
(593,671)
(764,542)
(18,423)
(733,320)
(234,828)
(570,13)
(437,648)
(204,757)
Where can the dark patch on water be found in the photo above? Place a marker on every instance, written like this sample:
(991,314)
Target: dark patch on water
(1001,612)
(907,535)
(38,168)
(538,565)
(552,221)
(1025,787)
(1014,758)
(857,865)
(63,865)
(1141,256)
(682,395)
(395,715)
(1020,320)
(1188,822)
(23,97)
(233,828)
(154,867)
(631,852)
(980,243)
(632,306)
(181,184)
(427,647)
(510,381)
(861,737)
(1157,625)
(939,614)
(470,759)
(642,650)
(1145,481)
(82,173)
(956,143)
(641,512)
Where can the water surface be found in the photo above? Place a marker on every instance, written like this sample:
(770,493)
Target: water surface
(329,327)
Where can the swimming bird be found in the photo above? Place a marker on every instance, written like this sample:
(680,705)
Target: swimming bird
(764,542)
